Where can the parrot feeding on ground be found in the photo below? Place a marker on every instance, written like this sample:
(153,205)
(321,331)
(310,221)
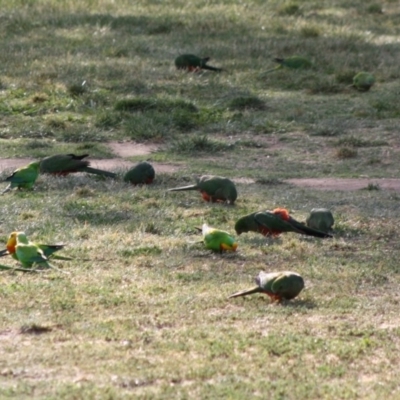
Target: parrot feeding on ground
(28,253)
(192,63)
(64,164)
(363,81)
(47,249)
(213,189)
(23,177)
(274,223)
(277,285)
(141,173)
(217,240)
(320,219)
(293,62)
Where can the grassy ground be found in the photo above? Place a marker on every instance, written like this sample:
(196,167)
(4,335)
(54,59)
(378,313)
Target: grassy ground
(143,312)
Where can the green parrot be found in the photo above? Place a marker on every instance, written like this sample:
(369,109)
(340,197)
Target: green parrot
(47,249)
(320,219)
(24,177)
(274,223)
(193,63)
(277,285)
(64,164)
(217,240)
(141,173)
(363,81)
(213,189)
(28,253)
(293,62)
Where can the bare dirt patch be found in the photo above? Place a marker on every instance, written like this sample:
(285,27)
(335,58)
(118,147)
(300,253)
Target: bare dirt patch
(346,184)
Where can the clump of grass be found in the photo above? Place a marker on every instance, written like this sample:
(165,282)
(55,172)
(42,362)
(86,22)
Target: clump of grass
(145,104)
(310,31)
(289,9)
(77,89)
(269,181)
(246,103)
(345,76)
(346,152)
(107,120)
(37,144)
(198,144)
(328,131)
(117,52)
(375,8)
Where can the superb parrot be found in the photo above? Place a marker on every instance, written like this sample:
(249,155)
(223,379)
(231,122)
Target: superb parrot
(192,63)
(293,62)
(64,164)
(277,285)
(213,189)
(363,81)
(274,223)
(141,173)
(28,253)
(24,177)
(217,240)
(320,219)
(47,249)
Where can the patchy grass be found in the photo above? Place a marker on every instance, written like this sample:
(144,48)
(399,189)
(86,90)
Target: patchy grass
(143,311)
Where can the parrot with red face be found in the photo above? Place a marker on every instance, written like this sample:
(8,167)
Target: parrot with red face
(273,223)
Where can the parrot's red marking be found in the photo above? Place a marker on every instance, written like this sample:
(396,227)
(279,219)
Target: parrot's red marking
(149,180)
(283,213)
(206,197)
(11,243)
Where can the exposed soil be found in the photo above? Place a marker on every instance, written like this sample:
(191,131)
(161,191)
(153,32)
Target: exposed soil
(129,149)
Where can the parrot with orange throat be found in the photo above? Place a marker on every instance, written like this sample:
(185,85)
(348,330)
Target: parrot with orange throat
(273,223)
(29,254)
(213,189)
(217,240)
(47,249)
(285,285)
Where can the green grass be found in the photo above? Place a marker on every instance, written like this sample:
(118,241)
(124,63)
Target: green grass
(143,311)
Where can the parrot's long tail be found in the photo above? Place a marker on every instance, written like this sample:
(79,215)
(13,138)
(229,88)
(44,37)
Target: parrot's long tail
(7,189)
(311,232)
(101,172)
(246,292)
(271,70)
(178,189)
(212,68)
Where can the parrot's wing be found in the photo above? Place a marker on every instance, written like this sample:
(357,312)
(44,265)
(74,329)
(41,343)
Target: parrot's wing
(274,222)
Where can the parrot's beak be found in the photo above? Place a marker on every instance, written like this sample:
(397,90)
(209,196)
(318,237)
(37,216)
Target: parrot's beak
(229,248)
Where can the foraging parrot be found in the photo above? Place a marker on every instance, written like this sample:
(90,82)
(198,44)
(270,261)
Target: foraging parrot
(193,63)
(363,81)
(47,249)
(23,177)
(217,240)
(64,164)
(28,253)
(274,223)
(320,219)
(277,285)
(141,173)
(213,189)
(293,62)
